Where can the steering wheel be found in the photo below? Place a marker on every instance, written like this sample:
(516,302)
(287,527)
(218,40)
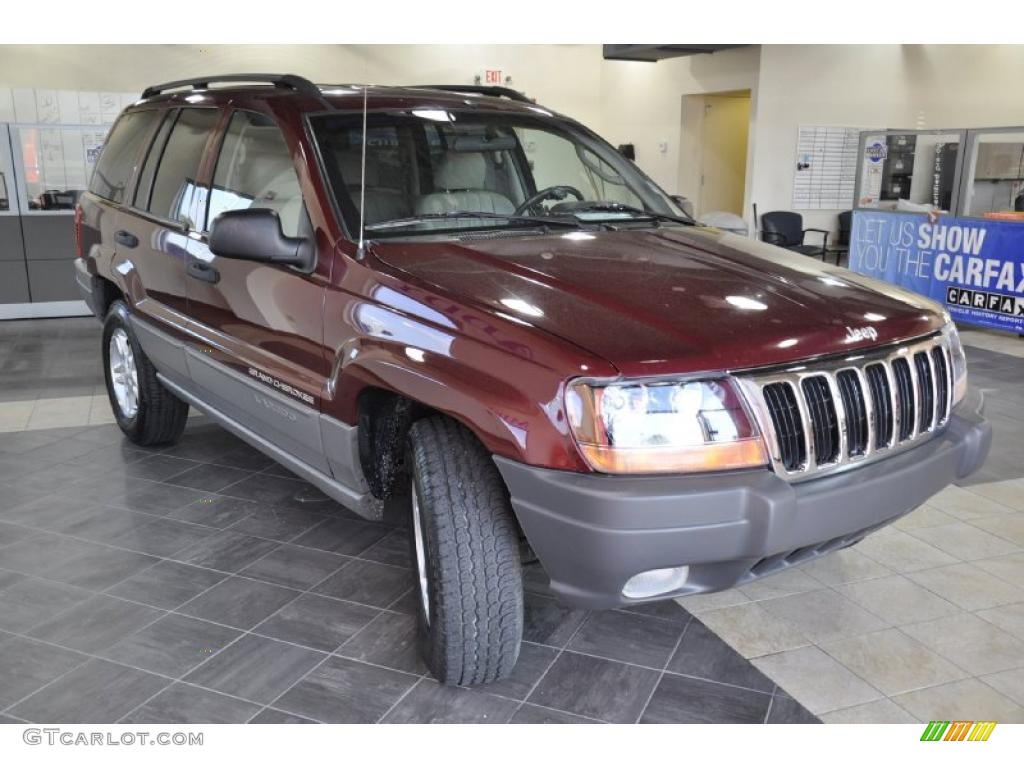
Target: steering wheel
(557,192)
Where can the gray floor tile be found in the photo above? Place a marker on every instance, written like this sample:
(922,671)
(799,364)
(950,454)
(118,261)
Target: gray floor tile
(296,567)
(162,537)
(788,711)
(531,714)
(158,467)
(627,637)
(10,533)
(96,692)
(366,582)
(172,645)
(318,622)
(704,654)
(342,536)
(27,665)
(216,511)
(40,554)
(226,551)
(533,662)
(48,512)
(209,478)
(101,567)
(278,524)
(390,640)
(182,703)
(266,489)
(605,690)
(430,702)
(32,601)
(345,691)
(239,602)
(103,524)
(276,717)
(167,584)
(393,549)
(255,668)
(685,700)
(95,624)
(155,498)
(669,610)
(548,621)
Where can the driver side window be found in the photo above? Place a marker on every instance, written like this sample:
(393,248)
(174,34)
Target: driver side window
(255,170)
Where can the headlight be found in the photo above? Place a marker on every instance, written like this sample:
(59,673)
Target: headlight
(692,426)
(958,360)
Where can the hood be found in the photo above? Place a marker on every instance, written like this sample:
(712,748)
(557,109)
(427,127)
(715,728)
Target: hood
(671,299)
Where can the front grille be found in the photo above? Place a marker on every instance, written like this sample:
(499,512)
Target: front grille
(856,410)
(825,416)
(785,415)
(904,396)
(824,421)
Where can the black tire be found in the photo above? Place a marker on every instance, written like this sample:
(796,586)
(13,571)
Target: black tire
(160,417)
(471,553)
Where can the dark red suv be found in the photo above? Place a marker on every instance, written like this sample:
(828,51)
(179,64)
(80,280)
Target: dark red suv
(456,296)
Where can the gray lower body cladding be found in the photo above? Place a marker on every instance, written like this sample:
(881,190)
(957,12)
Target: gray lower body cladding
(593,532)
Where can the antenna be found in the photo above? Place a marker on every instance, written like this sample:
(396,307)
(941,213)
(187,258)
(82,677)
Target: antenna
(361,250)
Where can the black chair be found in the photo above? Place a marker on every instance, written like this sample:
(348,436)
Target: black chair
(786,229)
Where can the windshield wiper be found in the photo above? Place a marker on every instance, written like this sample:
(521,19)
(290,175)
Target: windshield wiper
(511,218)
(606,207)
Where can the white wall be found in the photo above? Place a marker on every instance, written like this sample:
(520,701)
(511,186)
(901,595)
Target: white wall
(883,86)
(623,101)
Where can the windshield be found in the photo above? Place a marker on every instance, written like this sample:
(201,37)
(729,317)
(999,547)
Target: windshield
(425,166)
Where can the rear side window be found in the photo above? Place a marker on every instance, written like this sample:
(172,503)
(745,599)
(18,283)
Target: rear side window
(145,185)
(120,152)
(254,170)
(175,180)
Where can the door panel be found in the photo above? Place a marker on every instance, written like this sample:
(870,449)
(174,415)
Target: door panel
(259,327)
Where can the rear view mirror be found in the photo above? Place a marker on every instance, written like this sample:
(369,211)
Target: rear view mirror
(255,234)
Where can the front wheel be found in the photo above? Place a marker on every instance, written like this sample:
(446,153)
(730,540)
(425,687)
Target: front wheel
(145,410)
(465,548)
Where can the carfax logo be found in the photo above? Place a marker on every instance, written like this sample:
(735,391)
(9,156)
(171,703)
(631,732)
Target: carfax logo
(958,730)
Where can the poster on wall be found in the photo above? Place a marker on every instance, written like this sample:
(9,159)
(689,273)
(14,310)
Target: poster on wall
(972,266)
(826,167)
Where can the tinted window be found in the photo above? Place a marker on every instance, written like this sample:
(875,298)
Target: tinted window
(175,178)
(254,170)
(119,154)
(145,183)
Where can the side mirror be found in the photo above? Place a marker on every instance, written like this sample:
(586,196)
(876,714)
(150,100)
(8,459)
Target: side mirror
(254,234)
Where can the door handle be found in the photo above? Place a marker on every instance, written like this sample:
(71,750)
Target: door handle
(200,270)
(127,239)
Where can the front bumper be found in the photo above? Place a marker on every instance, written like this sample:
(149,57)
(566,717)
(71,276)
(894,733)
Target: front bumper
(592,533)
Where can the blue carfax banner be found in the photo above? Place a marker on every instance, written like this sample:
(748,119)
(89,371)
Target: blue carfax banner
(974,267)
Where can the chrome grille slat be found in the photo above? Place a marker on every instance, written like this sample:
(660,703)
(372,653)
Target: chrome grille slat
(826,416)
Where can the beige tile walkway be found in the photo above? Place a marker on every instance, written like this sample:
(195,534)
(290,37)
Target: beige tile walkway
(923,620)
(58,412)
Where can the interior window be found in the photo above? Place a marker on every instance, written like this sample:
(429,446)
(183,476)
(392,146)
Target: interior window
(556,161)
(174,182)
(119,153)
(255,170)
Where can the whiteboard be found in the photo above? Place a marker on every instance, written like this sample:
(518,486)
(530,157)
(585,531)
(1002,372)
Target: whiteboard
(826,167)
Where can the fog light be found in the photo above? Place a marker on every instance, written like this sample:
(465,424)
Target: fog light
(656,582)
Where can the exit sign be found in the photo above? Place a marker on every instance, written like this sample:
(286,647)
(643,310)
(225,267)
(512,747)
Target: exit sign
(492,77)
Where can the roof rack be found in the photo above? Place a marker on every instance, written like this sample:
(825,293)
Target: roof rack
(481,90)
(293,82)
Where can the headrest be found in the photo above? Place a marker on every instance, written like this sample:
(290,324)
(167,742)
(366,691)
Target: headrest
(461,170)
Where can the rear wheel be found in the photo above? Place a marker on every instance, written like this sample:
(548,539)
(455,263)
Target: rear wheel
(145,411)
(465,547)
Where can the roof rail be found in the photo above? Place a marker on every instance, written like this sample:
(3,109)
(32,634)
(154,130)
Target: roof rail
(481,90)
(293,82)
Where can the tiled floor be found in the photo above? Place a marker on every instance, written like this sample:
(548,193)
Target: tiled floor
(923,620)
(204,583)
